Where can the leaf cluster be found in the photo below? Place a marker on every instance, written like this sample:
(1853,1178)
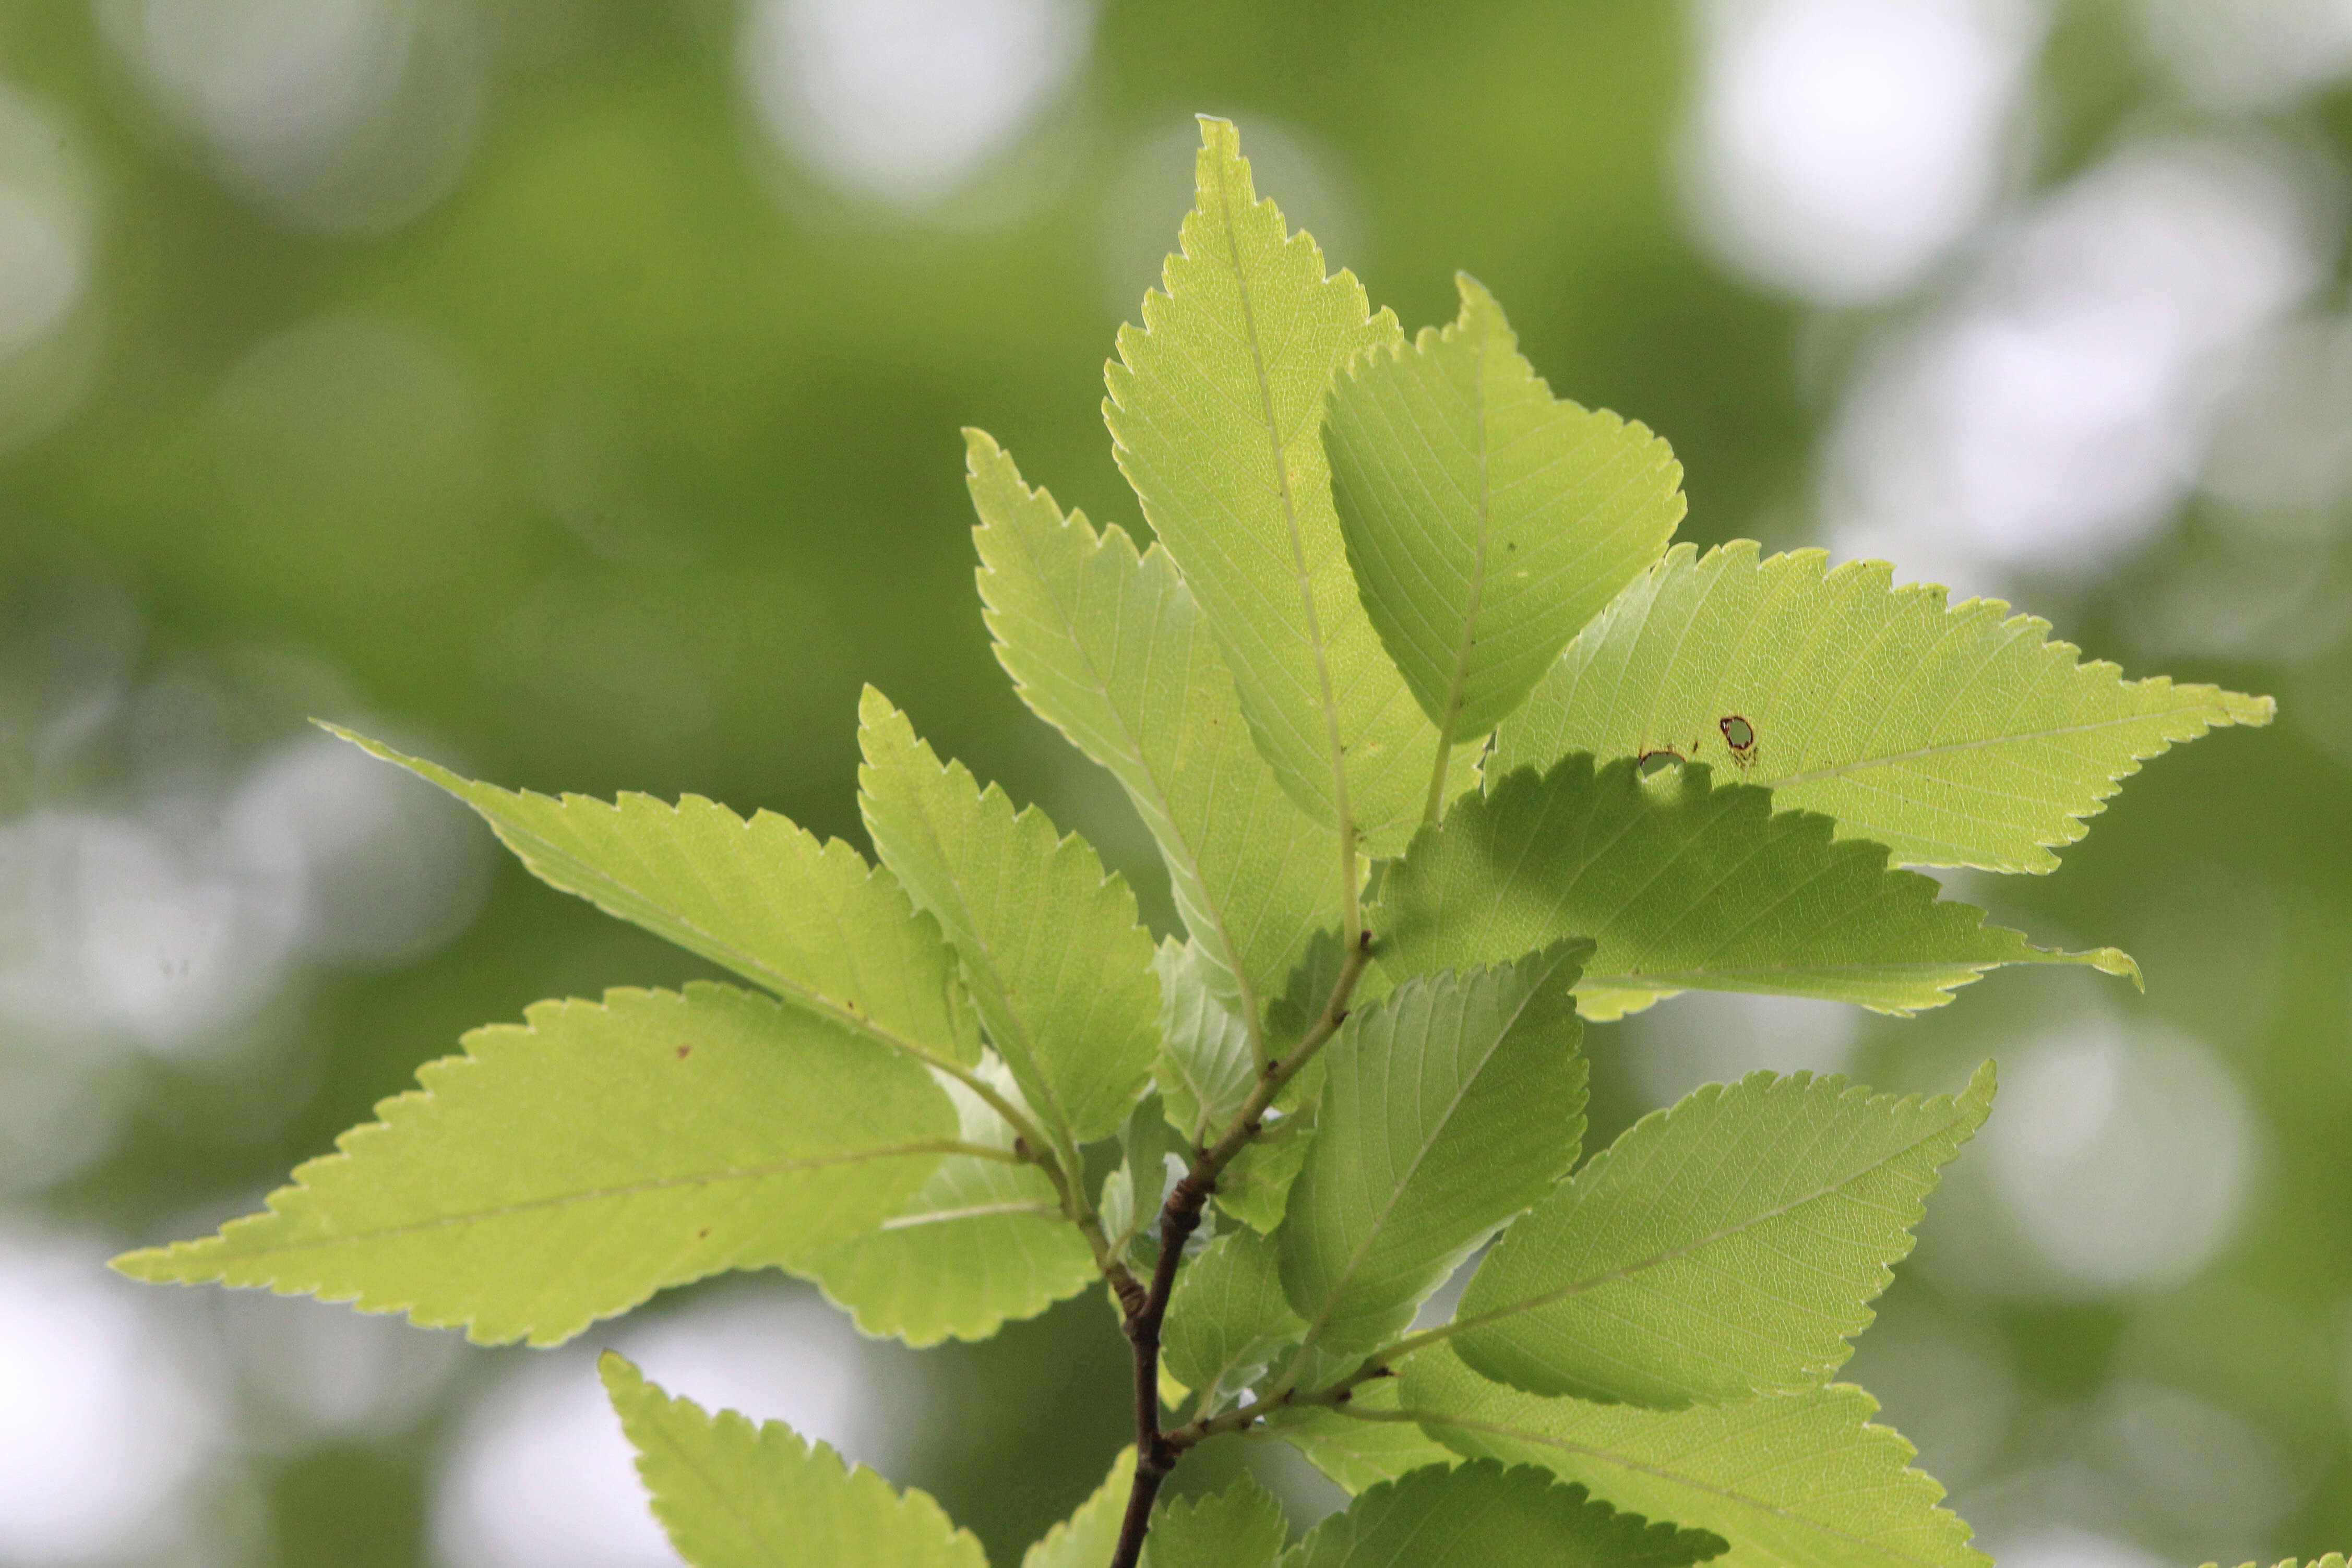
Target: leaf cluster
(1447,751)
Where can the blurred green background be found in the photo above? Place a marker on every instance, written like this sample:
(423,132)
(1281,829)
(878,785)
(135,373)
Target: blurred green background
(571,392)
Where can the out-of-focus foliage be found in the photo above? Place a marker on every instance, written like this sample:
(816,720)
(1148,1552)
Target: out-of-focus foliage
(469,432)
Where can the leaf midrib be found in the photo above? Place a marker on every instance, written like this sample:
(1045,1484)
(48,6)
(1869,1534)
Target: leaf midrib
(592,1195)
(1355,1260)
(1628,1271)
(623,903)
(1461,680)
(1161,801)
(1892,758)
(1341,811)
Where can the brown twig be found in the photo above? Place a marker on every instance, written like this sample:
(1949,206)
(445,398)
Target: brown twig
(1146,1311)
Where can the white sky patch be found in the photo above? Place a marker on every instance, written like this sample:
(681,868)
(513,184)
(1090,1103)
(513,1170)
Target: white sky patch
(107,1417)
(1720,1036)
(905,101)
(2123,1158)
(541,1475)
(344,116)
(2249,55)
(2055,412)
(1838,149)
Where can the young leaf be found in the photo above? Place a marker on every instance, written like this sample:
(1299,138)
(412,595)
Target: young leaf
(1958,736)
(1050,945)
(1804,1481)
(1241,1527)
(1215,413)
(1204,1068)
(1227,1317)
(1449,1108)
(732,1495)
(1684,884)
(984,1243)
(1363,1443)
(1110,649)
(1728,1247)
(564,1170)
(811,922)
(1131,1193)
(1086,1538)
(1483,1516)
(1255,1188)
(1486,519)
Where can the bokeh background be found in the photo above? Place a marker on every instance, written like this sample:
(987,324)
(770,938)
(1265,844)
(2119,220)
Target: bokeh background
(569,390)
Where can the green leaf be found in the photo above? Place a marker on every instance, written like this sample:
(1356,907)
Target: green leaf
(1241,1527)
(1228,1316)
(1486,520)
(811,922)
(1110,648)
(2333,1560)
(1050,945)
(1728,1247)
(1449,1108)
(1131,1193)
(564,1170)
(1483,1516)
(983,1243)
(1255,1188)
(1804,1481)
(1087,1538)
(1365,1442)
(732,1495)
(1959,736)
(1204,1070)
(1215,413)
(1684,884)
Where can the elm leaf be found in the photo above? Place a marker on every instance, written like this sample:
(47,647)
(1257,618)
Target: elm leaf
(1725,1248)
(565,1170)
(1957,736)
(733,1495)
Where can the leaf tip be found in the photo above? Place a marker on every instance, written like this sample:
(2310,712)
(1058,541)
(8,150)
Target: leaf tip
(2117,962)
(1983,1084)
(148,1264)
(620,1376)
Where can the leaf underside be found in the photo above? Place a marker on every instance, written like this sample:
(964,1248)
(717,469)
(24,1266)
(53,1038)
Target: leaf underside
(1959,736)
(1448,1108)
(563,1170)
(983,1243)
(1481,1515)
(1241,1527)
(732,1495)
(1364,1445)
(1804,1481)
(1049,943)
(1228,1316)
(1215,413)
(1110,648)
(1683,885)
(813,923)
(1486,520)
(1726,1248)
(1205,1069)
